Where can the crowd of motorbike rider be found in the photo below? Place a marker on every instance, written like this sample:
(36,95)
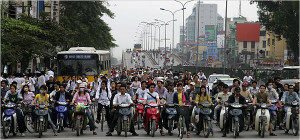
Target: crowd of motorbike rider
(151,85)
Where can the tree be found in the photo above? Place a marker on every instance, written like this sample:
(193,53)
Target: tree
(84,18)
(281,17)
(28,38)
(20,41)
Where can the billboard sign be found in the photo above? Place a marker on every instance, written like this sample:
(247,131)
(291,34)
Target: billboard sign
(210,32)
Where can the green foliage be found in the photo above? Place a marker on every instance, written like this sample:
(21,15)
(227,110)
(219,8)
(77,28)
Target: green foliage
(84,18)
(281,17)
(28,37)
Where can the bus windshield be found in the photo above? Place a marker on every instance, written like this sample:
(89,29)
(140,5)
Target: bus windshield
(77,67)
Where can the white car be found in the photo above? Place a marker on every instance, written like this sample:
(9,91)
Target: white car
(213,77)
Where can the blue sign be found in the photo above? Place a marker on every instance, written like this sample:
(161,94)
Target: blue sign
(78,56)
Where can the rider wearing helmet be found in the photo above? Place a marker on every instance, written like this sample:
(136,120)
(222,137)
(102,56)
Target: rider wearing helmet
(83,96)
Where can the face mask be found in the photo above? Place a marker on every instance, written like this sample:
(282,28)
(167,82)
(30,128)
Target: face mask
(81,89)
(25,89)
(197,89)
(270,87)
(41,91)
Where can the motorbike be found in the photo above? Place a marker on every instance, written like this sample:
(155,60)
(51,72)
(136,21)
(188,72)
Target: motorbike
(139,112)
(236,111)
(124,119)
(80,117)
(262,119)
(223,114)
(292,118)
(41,121)
(9,121)
(273,112)
(61,109)
(247,116)
(152,119)
(206,111)
(27,110)
(171,113)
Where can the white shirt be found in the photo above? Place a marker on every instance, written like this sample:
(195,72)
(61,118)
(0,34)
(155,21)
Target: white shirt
(207,90)
(122,99)
(19,81)
(41,81)
(253,91)
(141,92)
(150,98)
(103,97)
(248,79)
(71,85)
(52,94)
(10,80)
(94,86)
(201,77)
(32,81)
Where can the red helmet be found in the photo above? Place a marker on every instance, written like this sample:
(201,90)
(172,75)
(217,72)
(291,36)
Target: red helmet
(244,84)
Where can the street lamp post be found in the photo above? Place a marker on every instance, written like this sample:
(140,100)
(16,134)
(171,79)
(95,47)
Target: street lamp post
(173,13)
(165,23)
(183,7)
(158,38)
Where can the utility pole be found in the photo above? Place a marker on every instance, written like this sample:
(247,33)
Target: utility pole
(198,25)
(225,39)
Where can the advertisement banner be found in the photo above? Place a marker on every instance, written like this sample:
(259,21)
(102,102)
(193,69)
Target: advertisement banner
(210,32)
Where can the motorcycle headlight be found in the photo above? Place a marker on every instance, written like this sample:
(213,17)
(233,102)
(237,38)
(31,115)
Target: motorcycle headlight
(264,105)
(42,106)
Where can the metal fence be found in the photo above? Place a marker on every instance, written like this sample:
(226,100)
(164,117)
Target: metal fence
(260,75)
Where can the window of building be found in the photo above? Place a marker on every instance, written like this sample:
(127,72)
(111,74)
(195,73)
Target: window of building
(245,44)
(268,41)
(262,33)
(252,44)
(273,41)
(264,44)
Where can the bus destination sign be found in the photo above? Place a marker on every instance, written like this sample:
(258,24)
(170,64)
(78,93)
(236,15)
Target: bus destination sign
(78,56)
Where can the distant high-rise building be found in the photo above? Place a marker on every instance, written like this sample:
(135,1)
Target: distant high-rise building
(208,16)
(220,23)
(182,38)
(190,27)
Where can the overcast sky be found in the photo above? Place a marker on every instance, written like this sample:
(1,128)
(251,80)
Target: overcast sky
(128,15)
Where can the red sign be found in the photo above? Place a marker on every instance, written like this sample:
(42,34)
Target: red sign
(247,31)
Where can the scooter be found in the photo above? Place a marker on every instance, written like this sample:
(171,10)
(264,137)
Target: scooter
(247,118)
(292,118)
(236,111)
(124,119)
(262,119)
(80,117)
(273,112)
(41,121)
(27,111)
(171,112)
(152,119)
(9,121)
(61,109)
(206,111)
(223,114)
(139,112)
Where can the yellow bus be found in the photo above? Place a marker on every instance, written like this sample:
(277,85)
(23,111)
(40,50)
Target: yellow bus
(83,60)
